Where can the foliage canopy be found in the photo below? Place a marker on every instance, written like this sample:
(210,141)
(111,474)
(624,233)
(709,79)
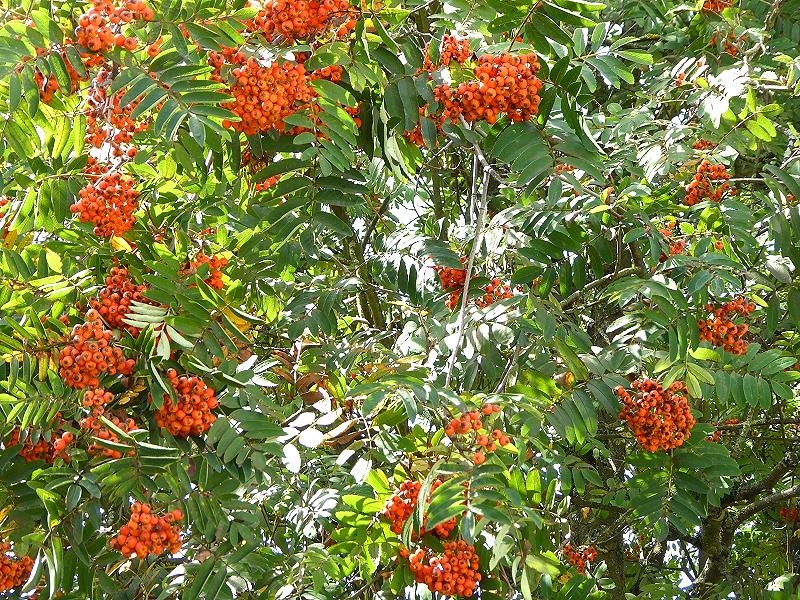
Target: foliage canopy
(324,299)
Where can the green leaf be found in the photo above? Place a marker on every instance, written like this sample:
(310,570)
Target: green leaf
(333,223)
(333,92)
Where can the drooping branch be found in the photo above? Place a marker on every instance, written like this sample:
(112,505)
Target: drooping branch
(764,503)
(747,492)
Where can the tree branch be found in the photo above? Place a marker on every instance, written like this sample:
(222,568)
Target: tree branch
(606,279)
(476,242)
(747,492)
(766,502)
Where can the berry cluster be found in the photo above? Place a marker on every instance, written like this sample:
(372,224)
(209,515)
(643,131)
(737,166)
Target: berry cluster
(730,42)
(675,246)
(48,86)
(659,418)
(702,187)
(113,302)
(191,414)
(41,449)
(266,184)
(494,291)
(96,400)
(291,20)
(332,73)
(720,330)
(789,514)
(215,266)
(108,202)
(451,49)
(109,124)
(717,435)
(472,422)
(634,553)
(402,504)
(579,558)
(263,95)
(254,165)
(464,424)
(504,85)
(99,28)
(90,353)
(716,6)
(702,144)
(95,426)
(13,571)
(454,573)
(564,168)
(452,278)
(147,533)
(415,135)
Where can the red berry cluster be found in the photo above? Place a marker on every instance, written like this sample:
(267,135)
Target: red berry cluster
(266,184)
(99,29)
(90,353)
(452,278)
(494,291)
(564,168)
(731,43)
(191,414)
(41,449)
(472,422)
(580,558)
(415,135)
(13,571)
(716,6)
(451,49)
(402,504)
(703,185)
(702,144)
(454,573)
(720,330)
(113,302)
(215,266)
(109,124)
(291,20)
(48,86)
(108,201)
(147,533)
(717,435)
(254,165)
(659,418)
(97,400)
(503,85)
(263,95)
(789,514)
(676,246)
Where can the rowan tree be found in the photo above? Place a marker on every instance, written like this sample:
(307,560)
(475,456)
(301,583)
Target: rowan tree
(357,299)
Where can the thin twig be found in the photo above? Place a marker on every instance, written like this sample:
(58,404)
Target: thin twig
(572,298)
(507,371)
(476,242)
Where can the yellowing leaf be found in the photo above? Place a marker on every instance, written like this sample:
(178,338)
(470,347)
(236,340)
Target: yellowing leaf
(120,244)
